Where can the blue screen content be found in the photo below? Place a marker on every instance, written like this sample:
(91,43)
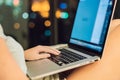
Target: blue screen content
(91,22)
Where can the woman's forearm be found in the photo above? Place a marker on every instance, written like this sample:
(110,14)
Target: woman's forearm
(9,70)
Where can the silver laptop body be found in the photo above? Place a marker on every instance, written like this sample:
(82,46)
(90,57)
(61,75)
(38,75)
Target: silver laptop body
(87,39)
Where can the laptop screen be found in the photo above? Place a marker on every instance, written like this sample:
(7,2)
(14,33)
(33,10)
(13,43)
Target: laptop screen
(91,23)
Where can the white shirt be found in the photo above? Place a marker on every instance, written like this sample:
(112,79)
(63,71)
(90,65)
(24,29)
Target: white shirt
(16,49)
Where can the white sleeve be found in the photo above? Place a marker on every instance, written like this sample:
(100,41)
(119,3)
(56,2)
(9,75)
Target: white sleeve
(16,49)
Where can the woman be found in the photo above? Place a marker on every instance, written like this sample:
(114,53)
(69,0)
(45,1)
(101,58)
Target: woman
(15,51)
(105,69)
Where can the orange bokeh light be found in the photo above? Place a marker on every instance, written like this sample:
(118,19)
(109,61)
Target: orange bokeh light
(58,14)
(43,7)
(47,23)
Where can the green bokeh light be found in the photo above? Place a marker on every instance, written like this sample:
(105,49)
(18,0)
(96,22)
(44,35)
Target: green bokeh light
(64,15)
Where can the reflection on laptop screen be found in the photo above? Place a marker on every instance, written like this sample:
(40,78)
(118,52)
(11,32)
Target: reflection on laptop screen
(91,22)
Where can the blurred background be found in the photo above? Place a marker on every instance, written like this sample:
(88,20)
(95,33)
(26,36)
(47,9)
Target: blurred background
(40,22)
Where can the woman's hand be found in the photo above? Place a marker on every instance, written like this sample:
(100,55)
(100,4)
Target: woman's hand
(40,52)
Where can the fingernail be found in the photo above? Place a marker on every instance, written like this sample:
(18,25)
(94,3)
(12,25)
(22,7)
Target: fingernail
(48,55)
(59,52)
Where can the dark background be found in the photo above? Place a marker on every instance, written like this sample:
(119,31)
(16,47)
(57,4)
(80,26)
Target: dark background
(27,36)
(117,11)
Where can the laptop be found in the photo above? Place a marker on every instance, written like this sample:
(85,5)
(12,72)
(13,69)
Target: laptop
(86,43)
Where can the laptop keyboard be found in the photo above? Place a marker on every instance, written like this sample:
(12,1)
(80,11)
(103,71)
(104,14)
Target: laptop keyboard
(66,57)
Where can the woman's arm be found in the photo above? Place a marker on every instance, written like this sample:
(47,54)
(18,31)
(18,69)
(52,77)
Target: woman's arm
(9,70)
(108,67)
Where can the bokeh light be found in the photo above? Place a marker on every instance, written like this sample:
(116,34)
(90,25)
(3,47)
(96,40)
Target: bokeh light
(1,2)
(8,2)
(16,2)
(47,23)
(58,14)
(42,7)
(64,15)
(25,15)
(63,6)
(31,24)
(16,25)
(44,14)
(33,15)
(47,33)
(35,7)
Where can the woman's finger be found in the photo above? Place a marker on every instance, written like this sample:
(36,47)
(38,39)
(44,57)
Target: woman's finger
(48,49)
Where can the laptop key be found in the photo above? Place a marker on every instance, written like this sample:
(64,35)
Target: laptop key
(75,55)
(66,57)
